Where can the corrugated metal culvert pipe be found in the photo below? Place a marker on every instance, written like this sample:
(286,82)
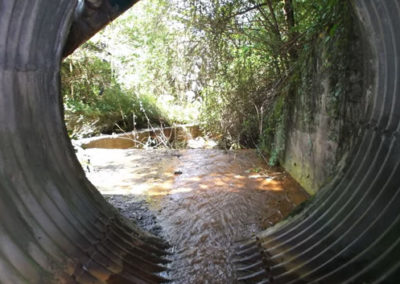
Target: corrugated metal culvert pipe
(350,231)
(56,228)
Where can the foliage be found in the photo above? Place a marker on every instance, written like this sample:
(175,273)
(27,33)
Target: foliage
(237,66)
(151,56)
(128,75)
(255,57)
(95,102)
(246,53)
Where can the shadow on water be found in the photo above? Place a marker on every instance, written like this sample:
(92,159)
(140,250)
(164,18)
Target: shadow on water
(203,200)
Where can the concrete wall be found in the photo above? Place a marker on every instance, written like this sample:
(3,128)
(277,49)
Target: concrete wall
(329,112)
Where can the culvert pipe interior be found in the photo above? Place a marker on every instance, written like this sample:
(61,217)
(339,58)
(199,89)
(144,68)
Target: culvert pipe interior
(55,227)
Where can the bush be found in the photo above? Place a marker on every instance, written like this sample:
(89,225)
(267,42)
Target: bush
(94,102)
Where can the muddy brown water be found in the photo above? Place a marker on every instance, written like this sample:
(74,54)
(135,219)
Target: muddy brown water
(204,201)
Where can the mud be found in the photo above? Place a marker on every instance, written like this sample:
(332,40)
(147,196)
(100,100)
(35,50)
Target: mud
(201,201)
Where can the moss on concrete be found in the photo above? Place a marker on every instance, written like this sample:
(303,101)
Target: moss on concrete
(312,127)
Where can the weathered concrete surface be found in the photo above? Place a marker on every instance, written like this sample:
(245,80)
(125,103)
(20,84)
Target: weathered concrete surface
(328,113)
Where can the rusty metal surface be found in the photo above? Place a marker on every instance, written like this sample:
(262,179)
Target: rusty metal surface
(54,225)
(350,232)
(56,228)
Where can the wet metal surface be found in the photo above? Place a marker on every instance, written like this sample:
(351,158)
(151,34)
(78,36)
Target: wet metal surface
(204,200)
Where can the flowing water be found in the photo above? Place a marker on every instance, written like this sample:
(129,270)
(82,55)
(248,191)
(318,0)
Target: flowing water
(205,200)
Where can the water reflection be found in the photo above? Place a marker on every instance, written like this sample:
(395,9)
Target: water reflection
(217,197)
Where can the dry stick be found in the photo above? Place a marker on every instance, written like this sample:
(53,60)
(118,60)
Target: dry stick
(247,10)
(163,133)
(155,133)
(134,131)
(134,122)
(131,139)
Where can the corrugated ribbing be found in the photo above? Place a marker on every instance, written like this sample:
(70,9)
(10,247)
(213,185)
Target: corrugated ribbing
(54,225)
(350,233)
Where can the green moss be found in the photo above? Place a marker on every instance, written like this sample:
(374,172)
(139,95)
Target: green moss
(303,174)
(338,59)
(274,135)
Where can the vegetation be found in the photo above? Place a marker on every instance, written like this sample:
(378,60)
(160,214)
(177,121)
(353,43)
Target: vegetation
(95,102)
(236,66)
(257,57)
(129,76)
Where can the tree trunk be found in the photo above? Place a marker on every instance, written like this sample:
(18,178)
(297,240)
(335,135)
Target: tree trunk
(290,21)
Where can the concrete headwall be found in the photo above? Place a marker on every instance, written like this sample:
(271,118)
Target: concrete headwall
(329,108)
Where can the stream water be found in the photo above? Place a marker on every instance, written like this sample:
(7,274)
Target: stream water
(204,201)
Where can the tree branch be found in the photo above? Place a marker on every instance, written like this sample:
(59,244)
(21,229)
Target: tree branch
(248,10)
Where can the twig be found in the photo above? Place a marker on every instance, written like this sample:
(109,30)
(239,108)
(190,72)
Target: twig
(154,131)
(131,139)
